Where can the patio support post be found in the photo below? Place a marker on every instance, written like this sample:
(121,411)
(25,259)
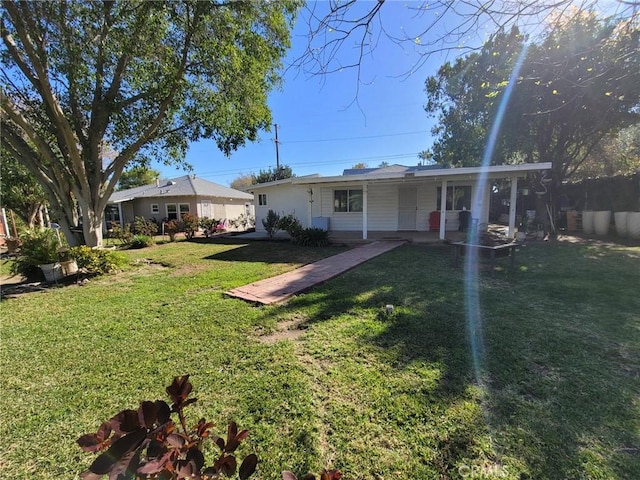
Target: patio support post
(365,191)
(443,209)
(512,206)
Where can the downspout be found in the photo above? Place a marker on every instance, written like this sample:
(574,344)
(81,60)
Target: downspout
(443,209)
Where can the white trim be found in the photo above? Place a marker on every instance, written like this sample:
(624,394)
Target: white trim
(453,174)
(512,207)
(365,209)
(443,209)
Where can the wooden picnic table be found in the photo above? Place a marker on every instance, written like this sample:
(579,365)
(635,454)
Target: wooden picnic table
(492,249)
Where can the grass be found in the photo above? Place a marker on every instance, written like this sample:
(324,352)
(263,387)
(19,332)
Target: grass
(376,395)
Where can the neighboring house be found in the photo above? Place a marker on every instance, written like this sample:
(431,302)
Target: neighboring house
(390,199)
(170,199)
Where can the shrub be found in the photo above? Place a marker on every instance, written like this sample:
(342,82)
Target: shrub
(207,225)
(312,237)
(148,443)
(171,228)
(39,246)
(307,237)
(271,223)
(190,225)
(244,221)
(142,226)
(97,261)
(141,241)
(122,234)
(291,225)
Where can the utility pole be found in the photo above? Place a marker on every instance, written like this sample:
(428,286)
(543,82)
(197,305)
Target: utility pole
(277,153)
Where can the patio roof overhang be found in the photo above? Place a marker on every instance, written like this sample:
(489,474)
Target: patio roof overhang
(441,174)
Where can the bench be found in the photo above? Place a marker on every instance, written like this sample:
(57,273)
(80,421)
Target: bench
(508,248)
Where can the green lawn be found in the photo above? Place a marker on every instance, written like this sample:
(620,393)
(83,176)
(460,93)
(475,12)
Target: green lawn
(377,396)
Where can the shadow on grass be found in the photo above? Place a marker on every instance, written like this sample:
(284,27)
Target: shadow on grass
(270,251)
(563,377)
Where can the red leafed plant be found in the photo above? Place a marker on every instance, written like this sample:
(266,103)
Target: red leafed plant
(146,443)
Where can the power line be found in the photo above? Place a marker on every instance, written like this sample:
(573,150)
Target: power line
(315,164)
(341,139)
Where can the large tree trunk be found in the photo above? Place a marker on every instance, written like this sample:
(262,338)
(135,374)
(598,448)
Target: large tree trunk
(92,227)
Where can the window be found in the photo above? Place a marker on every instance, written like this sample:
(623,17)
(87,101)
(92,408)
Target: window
(262,199)
(172,211)
(175,211)
(347,200)
(457,198)
(155,208)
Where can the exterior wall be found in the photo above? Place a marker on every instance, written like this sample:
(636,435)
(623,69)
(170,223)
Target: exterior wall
(284,200)
(218,208)
(382,205)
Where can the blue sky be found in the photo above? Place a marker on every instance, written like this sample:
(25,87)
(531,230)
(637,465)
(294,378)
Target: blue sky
(322,129)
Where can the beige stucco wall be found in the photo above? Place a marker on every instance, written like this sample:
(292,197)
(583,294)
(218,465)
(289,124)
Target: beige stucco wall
(212,207)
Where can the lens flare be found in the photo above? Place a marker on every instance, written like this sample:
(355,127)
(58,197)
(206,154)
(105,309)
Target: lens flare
(472,303)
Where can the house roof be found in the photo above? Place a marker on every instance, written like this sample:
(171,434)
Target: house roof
(392,169)
(403,173)
(185,186)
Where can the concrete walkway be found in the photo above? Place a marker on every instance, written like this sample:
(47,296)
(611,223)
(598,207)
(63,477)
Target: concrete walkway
(282,287)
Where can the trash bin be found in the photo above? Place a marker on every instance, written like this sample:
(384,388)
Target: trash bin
(464,218)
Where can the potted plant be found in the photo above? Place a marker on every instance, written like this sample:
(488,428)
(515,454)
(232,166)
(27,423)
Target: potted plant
(40,248)
(67,262)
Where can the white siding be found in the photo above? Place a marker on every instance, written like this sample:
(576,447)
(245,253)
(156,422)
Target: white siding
(383,207)
(382,204)
(284,200)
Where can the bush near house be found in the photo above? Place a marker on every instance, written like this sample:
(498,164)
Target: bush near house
(271,223)
(190,225)
(142,226)
(98,261)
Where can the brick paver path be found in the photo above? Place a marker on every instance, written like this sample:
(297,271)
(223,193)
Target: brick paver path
(282,287)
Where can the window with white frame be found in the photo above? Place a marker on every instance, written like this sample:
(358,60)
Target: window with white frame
(172,211)
(155,209)
(458,197)
(262,199)
(176,210)
(347,200)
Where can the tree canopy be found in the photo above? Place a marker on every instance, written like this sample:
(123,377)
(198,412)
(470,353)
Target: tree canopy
(144,78)
(137,176)
(273,174)
(574,87)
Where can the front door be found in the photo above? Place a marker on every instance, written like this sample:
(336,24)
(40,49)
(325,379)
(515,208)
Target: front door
(407,207)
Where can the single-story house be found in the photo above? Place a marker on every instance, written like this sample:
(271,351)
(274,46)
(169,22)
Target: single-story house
(395,198)
(170,199)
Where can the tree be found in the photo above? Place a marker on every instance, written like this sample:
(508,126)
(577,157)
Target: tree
(616,154)
(137,176)
(577,85)
(465,96)
(342,34)
(360,165)
(21,192)
(145,78)
(273,174)
(243,181)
